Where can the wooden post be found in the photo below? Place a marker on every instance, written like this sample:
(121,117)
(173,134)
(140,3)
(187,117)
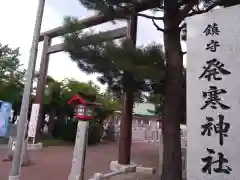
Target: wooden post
(41,83)
(125,140)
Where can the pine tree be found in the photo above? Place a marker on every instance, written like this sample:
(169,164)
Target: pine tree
(112,59)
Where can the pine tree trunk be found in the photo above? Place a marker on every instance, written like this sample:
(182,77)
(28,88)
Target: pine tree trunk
(172,162)
(125,140)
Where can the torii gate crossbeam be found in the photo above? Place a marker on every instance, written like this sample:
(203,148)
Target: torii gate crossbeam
(98,19)
(105,36)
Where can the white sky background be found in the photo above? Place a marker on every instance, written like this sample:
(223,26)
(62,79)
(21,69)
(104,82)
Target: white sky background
(17,20)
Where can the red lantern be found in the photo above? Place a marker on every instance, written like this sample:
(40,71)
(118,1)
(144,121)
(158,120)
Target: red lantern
(84,106)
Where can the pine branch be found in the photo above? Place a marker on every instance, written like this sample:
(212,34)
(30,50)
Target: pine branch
(111,59)
(183,26)
(158,28)
(159,9)
(180,4)
(203,11)
(197,7)
(184,12)
(150,17)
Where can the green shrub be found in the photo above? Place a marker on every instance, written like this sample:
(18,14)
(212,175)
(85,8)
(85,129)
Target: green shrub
(67,131)
(95,132)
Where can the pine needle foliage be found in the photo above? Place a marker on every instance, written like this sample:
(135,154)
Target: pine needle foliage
(112,60)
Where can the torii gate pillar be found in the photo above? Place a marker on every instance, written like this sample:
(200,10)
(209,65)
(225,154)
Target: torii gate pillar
(42,82)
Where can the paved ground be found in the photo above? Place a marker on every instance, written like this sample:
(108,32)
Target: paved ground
(54,163)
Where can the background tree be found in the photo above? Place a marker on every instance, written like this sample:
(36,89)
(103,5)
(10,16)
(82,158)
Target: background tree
(52,102)
(64,126)
(158,101)
(56,96)
(11,77)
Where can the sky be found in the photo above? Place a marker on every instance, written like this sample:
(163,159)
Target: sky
(17,20)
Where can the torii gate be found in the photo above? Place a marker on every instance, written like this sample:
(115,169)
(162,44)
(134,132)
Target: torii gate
(130,32)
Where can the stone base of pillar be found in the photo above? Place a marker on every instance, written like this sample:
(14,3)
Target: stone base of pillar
(9,157)
(145,170)
(26,161)
(115,167)
(37,146)
(118,169)
(14,178)
(132,167)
